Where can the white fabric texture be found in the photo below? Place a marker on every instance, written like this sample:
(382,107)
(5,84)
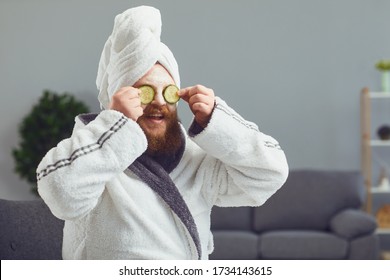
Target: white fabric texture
(110,213)
(131,50)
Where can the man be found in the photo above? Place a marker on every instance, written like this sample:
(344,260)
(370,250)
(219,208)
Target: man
(129,182)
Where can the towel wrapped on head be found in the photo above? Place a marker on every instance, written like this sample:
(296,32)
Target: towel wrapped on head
(131,50)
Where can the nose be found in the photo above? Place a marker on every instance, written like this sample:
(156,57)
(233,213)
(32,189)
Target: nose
(159,99)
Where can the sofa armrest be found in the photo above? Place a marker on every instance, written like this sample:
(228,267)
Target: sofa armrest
(351,223)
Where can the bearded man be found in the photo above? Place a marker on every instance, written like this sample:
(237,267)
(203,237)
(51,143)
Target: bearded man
(130,183)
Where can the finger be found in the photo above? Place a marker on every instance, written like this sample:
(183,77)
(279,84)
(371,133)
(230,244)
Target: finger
(133,93)
(183,93)
(134,104)
(128,91)
(187,93)
(126,99)
(199,89)
(139,111)
(200,109)
(123,90)
(199,98)
(134,113)
(131,96)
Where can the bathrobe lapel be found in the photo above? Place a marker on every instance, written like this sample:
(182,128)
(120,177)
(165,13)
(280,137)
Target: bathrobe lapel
(155,176)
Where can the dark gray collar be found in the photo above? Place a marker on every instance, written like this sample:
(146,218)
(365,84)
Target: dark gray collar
(156,177)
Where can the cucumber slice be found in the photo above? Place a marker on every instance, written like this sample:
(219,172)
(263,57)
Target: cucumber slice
(147,94)
(170,94)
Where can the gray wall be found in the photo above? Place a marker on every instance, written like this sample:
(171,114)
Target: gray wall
(294,67)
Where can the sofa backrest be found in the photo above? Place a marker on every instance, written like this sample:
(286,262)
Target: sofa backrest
(28,230)
(309,199)
(232,218)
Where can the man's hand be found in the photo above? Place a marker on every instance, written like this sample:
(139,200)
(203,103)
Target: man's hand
(126,100)
(201,101)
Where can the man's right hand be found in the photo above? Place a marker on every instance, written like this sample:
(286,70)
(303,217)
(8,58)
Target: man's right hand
(126,100)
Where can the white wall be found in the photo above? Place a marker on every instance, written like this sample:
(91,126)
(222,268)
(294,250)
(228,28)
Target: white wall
(294,67)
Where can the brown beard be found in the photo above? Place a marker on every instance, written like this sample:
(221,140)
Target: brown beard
(167,143)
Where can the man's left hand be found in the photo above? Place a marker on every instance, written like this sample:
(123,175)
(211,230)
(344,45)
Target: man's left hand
(201,101)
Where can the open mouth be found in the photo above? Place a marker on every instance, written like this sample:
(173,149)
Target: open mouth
(156,117)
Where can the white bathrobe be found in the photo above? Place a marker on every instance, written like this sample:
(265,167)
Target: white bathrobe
(110,213)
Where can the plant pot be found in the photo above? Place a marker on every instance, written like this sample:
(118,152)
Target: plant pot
(386,81)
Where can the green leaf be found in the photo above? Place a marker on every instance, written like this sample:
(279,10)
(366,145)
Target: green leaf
(383,65)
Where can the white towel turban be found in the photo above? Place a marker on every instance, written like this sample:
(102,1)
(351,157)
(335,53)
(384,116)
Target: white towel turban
(131,50)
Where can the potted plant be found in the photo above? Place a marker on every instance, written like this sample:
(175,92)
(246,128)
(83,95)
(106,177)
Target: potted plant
(50,121)
(384,66)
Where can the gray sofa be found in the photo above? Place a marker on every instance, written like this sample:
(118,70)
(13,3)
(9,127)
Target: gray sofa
(28,230)
(315,215)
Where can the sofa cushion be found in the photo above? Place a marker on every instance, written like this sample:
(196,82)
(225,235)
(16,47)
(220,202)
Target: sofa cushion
(231,218)
(234,245)
(365,248)
(29,231)
(352,223)
(309,199)
(302,245)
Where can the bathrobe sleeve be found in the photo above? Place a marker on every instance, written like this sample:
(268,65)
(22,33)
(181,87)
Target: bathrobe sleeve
(243,166)
(71,177)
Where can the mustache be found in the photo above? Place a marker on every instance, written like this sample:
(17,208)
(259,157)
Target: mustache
(154,109)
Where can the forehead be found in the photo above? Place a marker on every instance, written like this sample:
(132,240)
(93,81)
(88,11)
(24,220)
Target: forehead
(157,75)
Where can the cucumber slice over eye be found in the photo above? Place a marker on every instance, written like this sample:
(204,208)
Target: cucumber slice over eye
(170,94)
(147,94)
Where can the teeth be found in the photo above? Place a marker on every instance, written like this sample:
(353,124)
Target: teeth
(155,116)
